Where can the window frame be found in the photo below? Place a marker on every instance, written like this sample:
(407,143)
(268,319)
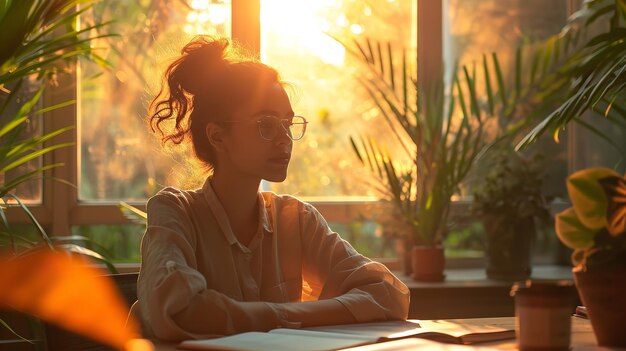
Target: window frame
(61,208)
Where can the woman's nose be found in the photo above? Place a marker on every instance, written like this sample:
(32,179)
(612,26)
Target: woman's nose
(283,137)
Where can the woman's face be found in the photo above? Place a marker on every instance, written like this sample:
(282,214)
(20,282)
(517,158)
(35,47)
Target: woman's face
(256,144)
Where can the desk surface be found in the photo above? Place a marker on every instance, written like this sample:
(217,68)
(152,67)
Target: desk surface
(582,334)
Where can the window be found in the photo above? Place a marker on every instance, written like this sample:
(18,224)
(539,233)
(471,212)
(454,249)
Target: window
(477,27)
(117,158)
(120,158)
(297,37)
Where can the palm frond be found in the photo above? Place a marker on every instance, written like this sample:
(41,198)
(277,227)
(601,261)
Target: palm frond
(590,74)
(444,134)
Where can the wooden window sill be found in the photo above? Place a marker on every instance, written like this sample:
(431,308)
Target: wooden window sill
(467,293)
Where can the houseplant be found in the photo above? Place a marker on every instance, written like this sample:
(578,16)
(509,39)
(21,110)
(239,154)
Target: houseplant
(595,227)
(39,42)
(591,76)
(509,203)
(43,42)
(437,151)
(439,131)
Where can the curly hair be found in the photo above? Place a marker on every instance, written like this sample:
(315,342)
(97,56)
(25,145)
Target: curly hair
(208,82)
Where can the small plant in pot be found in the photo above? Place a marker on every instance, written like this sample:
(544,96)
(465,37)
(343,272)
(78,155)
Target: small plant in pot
(595,227)
(510,204)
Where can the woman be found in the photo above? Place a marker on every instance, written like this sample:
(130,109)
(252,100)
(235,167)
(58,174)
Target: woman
(227,258)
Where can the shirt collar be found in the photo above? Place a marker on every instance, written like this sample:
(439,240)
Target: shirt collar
(264,216)
(222,219)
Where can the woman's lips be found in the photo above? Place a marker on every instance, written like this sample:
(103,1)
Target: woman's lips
(283,160)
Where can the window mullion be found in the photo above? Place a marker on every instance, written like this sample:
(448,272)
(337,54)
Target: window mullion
(429,41)
(59,197)
(246,24)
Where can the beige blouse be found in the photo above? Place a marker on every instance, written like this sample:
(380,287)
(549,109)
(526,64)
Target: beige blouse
(198,281)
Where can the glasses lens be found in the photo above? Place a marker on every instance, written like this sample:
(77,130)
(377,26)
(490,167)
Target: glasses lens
(270,126)
(297,128)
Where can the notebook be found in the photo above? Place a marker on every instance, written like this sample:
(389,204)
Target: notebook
(352,335)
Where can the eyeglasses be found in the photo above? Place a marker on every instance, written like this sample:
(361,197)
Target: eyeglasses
(270,126)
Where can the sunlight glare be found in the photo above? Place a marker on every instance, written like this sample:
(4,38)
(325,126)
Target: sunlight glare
(356,29)
(299,25)
(192,16)
(203,17)
(200,4)
(218,13)
(206,17)
(139,345)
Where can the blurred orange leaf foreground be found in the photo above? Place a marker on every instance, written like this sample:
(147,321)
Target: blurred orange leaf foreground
(71,293)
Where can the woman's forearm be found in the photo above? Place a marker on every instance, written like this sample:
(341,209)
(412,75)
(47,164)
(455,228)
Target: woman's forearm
(321,312)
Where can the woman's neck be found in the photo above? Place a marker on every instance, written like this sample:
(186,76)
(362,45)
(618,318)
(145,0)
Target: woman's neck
(239,197)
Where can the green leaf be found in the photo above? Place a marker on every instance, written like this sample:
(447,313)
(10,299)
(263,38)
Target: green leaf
(5,221)
(587,196)
(31,144)
(89,253)
(392,77)
(615,190)
(500,78)
(8,327)
(133,213)
(33,155)
(572,232)
(489,91)
(518,71)
(599,12)
(32,218)
(12,124)
(13,183)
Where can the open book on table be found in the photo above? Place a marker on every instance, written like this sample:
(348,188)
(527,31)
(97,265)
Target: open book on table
(350,335)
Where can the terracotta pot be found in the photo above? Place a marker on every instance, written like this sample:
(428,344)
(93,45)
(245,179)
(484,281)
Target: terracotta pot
(428,263)
(604,295)
(403,249)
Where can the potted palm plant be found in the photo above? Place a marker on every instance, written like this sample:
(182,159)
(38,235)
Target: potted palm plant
(439,132)
(39,41)
(438,150)
(595,227)
(509,203)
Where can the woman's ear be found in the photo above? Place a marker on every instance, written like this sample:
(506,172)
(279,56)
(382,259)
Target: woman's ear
(215,135)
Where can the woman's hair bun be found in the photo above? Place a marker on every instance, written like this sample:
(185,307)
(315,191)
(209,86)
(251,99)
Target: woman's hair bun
(202,61)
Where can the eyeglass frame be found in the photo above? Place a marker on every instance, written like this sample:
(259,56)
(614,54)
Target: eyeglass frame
(280,120)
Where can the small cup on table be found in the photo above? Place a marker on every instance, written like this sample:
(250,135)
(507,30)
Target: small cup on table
(543,311)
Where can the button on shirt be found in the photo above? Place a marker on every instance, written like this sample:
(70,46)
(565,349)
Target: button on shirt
(197,280)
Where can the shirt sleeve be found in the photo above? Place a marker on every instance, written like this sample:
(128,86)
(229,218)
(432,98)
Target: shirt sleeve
(174,300)
(333,269)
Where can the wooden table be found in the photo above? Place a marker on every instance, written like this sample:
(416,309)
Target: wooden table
(582,335)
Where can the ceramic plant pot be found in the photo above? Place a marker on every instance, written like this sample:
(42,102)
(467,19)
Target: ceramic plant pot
(604,295)
(428,263)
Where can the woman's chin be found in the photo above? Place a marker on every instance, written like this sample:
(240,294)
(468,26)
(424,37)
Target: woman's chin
(276,178)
